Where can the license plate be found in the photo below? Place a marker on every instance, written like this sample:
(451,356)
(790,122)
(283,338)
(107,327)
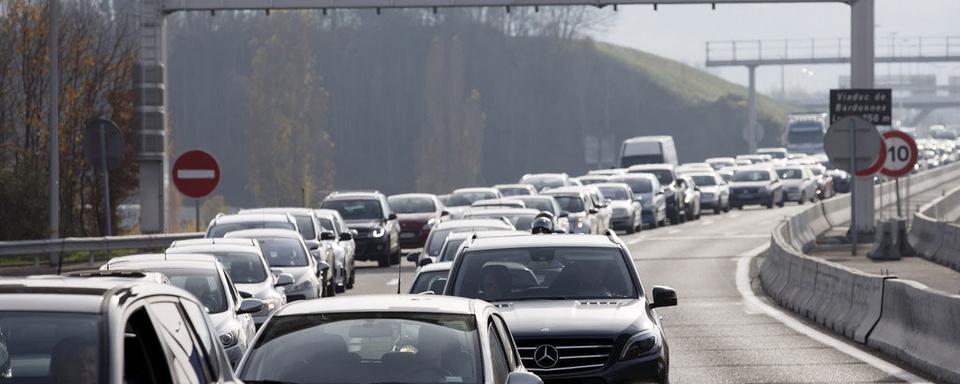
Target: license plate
(407,235)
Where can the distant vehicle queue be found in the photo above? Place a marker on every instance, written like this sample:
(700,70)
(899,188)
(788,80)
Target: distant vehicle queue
(241,303)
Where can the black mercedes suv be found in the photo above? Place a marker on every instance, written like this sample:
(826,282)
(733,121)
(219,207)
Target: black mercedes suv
(377,228)
(574,303)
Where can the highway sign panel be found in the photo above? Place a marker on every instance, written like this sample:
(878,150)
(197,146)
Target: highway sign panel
(873,105)
(112,140)
(196,174)
(869,145)
(901,153)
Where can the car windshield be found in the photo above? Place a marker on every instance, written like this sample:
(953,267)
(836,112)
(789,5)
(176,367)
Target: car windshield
(283,252)
(638,185)
(50,347)
(411,204)
(704,181)
(790,174)
(513,191)
(774,154)
(449,250)
(664,176)
(543,205)
(374,347)
(439,236)
(243,267)
(572,204)
(205,285)
(627,161)
(541,182)
(326,225)
(615,193)
(546,273)
(751,176)
(219,230)
(463,199)
(433,281)
(355,209)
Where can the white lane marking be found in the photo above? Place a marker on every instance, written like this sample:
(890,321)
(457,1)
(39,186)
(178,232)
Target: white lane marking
(673,231)
(751,301)
(710,237)
(393,281)
(732,215)
(636,240)
(706,222)
(195,174)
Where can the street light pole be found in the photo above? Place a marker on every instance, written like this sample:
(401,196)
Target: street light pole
(54,128)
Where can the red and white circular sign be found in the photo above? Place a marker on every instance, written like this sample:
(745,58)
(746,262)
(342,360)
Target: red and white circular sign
(901,153)
(196,174)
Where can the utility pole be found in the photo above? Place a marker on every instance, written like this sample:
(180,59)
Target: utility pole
(861,76)
(54,134)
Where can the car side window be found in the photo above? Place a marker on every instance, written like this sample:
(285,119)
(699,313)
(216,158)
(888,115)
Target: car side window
(499,359)
(233,291)
(144,360)
(188,364)
(385,207)
(196,316)
(510,349)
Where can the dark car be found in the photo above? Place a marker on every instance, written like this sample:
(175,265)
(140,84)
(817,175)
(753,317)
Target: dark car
(378,230)
(86,330)
(673,193)
(755,186)
(583,316)
(385,339)
(417,213)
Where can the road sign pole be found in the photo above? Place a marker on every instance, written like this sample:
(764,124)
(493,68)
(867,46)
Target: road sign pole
(897,186)
(107,226)
(853,185)
(196,226)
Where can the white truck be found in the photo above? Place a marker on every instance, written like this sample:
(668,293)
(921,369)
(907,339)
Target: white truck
(805,132)
(648,150)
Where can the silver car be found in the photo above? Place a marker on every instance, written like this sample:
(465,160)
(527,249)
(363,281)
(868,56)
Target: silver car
(222,224)
(207,280)
(247,267)
(799,184)
(336,233)
(627,208)
(286,252)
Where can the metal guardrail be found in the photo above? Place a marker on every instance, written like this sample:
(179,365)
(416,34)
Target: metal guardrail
(106,243)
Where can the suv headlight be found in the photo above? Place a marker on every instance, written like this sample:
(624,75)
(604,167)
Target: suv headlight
(378,232)
(642,344)
(229,338)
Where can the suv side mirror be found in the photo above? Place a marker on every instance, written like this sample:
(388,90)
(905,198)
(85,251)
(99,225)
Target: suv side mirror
(663,297)
(425,261)
(523,378)
(593,211)
(312,245)
(328,236)
(250,306)
(392,216)
(413,256)
(346,236)
(245,295)
(284,279)
(445,213)
(564,214)
(322,267)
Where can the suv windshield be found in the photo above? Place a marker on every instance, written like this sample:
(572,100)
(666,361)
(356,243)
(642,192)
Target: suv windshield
(791,173)
(571,204)
(450,249)
(410,204)
(514,191)
(219,230)
(546,273)
(637,184)
(542,204)
(748,176)
(543,181)
(243,267)
(375,347)
(49,347)
(283,252)
(664,176)
(367,209)
(615,193)
(462,199)
(704,181)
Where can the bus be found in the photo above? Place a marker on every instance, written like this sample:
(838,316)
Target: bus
(805,132)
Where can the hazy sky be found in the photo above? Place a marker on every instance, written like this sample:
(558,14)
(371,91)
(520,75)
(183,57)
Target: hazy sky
(680,32)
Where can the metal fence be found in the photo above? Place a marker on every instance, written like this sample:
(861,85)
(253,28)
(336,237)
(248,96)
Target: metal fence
(31,252)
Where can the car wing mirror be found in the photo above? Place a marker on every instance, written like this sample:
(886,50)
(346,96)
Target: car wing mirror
(593,211)
(322,267)
(328,236)
(250,306)
(564,214)
(663,297)
(392,216)
(245,295)
(313,245)
(523,378)
(284,279)
(346,236)
(413,256)
(425,261)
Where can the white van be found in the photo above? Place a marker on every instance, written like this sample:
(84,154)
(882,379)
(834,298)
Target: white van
(648,150)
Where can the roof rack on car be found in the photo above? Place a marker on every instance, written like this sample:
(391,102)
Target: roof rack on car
(107,273)
(612,235)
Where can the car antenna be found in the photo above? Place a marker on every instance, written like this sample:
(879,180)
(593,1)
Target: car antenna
(399,274)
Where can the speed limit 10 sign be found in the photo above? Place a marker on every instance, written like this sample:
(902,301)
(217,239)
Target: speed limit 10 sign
(901,154)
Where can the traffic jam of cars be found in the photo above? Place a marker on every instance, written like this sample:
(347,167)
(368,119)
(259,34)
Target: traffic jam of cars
(527,282)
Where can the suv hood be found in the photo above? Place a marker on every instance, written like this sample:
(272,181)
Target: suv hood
(622,204)
(752,184)
(793,182)
(557,318)
(366,223)
(416,217)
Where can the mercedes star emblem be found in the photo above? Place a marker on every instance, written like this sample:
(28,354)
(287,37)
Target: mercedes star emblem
(546,356)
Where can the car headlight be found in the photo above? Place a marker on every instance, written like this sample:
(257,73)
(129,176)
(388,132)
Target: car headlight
(378,232)
(304,286)
(642,344)
(229,338)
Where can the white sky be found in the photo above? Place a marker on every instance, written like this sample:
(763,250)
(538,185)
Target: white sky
(679,32)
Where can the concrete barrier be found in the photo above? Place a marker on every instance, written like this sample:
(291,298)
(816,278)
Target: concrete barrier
(920,326)
(925,235)
(948,253)
(866,301)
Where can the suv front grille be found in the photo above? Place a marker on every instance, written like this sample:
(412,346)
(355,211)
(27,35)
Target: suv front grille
(570,355)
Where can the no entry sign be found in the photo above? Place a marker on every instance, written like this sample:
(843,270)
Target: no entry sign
(901,154)
(196,174)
